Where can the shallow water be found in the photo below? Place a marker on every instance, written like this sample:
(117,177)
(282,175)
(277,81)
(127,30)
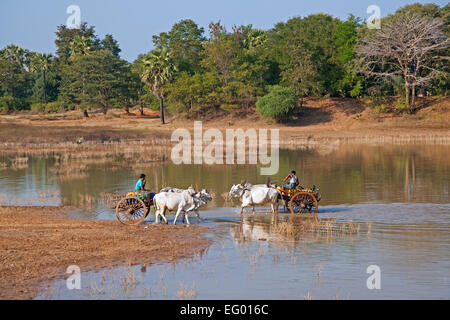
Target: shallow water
(398,196)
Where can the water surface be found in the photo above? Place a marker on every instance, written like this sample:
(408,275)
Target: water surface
(397,195)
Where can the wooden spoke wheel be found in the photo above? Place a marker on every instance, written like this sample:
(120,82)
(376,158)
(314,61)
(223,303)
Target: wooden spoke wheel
(302,202)
(131,210)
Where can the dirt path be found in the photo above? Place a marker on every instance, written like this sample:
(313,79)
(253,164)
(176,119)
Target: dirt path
(39,243)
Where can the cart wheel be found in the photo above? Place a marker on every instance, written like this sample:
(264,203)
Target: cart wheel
(131,211)
(303,202)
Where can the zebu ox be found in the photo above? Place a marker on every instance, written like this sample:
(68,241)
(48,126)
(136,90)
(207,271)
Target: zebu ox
(257,194)
(183,201)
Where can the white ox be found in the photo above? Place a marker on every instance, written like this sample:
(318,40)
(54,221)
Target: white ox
(181,201)
(255,195)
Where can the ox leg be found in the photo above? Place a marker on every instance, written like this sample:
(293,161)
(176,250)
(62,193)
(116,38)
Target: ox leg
(156,216)
(176,216)
(164,216)
(187,218)
(253,211)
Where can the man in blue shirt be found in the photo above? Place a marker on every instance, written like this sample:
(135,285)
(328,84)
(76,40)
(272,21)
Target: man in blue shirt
(140,185)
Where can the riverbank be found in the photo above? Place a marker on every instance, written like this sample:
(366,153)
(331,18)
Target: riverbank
(37,244)
(320,123)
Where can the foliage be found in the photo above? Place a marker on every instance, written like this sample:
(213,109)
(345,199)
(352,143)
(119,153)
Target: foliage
(224,72)
(278,104)
(107,87)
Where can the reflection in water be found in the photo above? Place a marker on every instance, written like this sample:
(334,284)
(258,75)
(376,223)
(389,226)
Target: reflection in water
(350,174)
(283,229)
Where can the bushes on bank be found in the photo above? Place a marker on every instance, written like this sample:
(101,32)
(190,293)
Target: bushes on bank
(278,104)
(10,104)
(51,107)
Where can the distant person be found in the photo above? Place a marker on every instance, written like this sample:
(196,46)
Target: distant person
(293,180)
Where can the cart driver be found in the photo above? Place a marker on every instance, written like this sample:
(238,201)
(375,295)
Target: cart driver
(293,180)
(140,186)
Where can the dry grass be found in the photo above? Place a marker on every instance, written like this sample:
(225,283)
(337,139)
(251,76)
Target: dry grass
(40,242)
(294,228)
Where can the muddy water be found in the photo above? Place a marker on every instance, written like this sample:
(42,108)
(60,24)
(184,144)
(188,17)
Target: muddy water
(396,197)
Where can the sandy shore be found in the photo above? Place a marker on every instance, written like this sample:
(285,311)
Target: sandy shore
(38,244)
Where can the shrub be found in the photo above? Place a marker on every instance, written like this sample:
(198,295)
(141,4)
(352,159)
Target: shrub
(38,107)
(53,107)
(400,105)
(382,109)
(8,104)
(278,104)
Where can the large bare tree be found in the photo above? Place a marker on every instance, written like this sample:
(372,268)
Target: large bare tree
(409,45)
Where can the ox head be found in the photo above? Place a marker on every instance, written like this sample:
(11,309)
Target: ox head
(236,190)
(205,195)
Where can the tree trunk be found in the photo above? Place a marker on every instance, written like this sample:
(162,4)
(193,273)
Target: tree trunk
(413,98)
(45,87)
(141,109)
(85,114)
(161,109)
(127,110)
(405,73)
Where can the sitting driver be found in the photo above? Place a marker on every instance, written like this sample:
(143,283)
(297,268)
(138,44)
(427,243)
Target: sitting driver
(140,186)
(293,180)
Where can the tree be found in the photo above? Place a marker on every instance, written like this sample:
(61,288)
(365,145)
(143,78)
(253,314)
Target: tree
(81,45)
(221,53)
(408,45)
(13,60)
(184,40)
(12,76)
(41,63)
(111,44)
(99,78)
(301,72)
(65,36)
(159,70)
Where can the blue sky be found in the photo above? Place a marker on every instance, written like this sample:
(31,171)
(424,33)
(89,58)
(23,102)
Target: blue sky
(32,24)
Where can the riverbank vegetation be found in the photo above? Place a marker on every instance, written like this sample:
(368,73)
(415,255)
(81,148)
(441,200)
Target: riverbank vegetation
(193,73)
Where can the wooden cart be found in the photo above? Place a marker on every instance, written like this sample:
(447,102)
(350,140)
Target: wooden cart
(300,200)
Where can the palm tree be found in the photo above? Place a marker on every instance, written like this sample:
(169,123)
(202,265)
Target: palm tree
(18,58)
(15,54)
(41,63)
(81,45)
(159,70)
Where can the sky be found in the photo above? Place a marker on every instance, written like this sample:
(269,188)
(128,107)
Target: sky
(32,24)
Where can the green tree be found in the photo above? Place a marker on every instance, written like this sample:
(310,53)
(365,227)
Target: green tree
(99,78)
(81,45)
(12,77)
(159,69)
(65,37)
(111,44)
(184,40)
(13,61)
(41,63)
